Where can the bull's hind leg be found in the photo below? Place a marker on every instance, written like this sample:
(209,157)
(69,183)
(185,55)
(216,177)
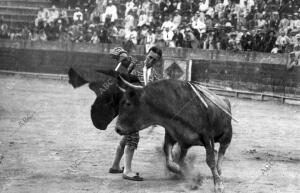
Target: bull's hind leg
(224,144)
(168,146)
(211,162)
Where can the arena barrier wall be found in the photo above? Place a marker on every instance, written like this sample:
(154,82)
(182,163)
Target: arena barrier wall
(246,71)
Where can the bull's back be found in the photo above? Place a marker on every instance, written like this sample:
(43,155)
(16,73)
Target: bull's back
(177,99)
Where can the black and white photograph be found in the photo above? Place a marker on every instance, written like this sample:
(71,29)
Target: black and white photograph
(149,96)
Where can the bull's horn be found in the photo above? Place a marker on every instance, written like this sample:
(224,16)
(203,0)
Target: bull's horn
(130,85)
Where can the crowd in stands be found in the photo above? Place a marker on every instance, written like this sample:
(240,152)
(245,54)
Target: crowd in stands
(237,25)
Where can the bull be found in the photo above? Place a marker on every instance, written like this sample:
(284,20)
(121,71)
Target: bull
(186,119)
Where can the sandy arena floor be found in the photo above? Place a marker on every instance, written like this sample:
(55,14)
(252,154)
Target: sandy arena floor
(48,144)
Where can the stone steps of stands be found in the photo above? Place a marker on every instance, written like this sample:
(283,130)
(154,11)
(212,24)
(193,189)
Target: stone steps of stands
(24,17)
(25,3)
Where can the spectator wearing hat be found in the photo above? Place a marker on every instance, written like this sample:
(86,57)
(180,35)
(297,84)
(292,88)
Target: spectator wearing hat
(77,16)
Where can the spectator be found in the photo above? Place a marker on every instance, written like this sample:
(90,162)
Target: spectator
(197,23)
(270,41)
(143,19)
(111,12)
(42,35)
(247,42)
(203,5)
(77,16)
(282,41)
(95,38)
(53,14)
(129,21)
(129,6)
(176,19)
(178,37)
(168,23)
(40,18)
(167,36)
(143,35)
(150,39)
(51,31)
(297,43)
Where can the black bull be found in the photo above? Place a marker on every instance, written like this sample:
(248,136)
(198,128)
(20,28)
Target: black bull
(181,127)
(187,121)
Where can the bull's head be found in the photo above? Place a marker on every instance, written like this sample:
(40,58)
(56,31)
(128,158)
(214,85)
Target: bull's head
(132,110)
(104,84)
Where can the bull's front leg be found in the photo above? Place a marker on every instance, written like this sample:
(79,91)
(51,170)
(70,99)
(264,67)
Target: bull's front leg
(168,146)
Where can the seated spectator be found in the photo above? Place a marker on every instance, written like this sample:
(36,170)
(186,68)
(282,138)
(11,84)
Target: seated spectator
(150,39)
(247,42)
(111,12)
(232,42)
(38,22)
(197,23)
(95,38)
(167,36)
(297,43)
(178,37)
(203,5)
(143,18)
(190,40)
(42,35)
(270,41)
(176,19)
(53,14)
(77,16)
(143,35)
(34,35)
(282,41)
(131,35)
(129,5)
(168,23)
(51,31)
(121,33)
(129,21)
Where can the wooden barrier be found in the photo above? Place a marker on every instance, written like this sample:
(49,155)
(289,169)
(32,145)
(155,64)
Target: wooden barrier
(246,71)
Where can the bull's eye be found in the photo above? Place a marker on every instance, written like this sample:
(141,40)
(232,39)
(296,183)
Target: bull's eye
(126,103)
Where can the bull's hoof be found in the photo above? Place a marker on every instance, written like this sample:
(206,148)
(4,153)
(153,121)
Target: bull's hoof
(219,188)
(174,167)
